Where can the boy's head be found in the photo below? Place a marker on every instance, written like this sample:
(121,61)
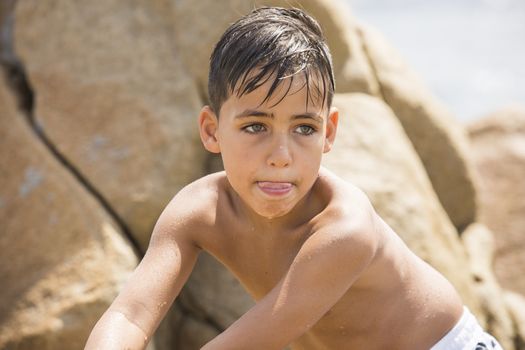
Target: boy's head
(271,81)
(270,44)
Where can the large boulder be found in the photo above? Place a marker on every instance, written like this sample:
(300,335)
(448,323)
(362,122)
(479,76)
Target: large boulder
(498,147)
(439,140)
(198,26)
(113,98)
(63,258)
(373,152)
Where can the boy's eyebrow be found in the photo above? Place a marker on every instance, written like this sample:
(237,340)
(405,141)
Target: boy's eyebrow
(310,115)
(257,113)
(253,113)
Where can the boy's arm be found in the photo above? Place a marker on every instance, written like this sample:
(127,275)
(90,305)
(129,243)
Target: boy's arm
(137,311)
(323,270)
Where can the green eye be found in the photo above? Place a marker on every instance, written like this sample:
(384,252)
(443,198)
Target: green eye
(254,128)
(305,130)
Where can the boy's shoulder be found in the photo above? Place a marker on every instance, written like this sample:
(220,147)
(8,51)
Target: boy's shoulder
(195,204)
(198,199)
(347,204)
(347,216)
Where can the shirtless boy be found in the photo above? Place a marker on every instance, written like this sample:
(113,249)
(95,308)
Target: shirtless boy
(326,271)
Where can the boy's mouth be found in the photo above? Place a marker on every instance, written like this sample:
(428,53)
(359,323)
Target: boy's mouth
(275,188)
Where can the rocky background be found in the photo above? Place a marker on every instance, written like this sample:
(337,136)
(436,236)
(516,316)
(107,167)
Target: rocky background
(98,107)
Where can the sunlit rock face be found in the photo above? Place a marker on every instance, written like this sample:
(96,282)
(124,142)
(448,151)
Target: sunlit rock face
(63,257)
(498,147)
(112,95)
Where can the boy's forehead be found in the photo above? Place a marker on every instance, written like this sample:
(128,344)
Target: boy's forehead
(304,92)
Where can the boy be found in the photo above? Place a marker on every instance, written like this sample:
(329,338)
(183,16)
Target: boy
(326,271)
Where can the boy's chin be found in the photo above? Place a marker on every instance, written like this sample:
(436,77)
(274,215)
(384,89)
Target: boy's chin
(273,213)
(272,216)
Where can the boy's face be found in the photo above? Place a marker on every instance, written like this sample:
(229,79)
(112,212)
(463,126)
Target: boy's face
(271,151)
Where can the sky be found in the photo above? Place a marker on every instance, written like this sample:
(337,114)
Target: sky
(470,53)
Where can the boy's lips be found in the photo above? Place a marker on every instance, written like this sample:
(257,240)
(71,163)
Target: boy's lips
(275,188)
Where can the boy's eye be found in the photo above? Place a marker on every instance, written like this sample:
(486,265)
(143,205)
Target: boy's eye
(305,130)
(254,128)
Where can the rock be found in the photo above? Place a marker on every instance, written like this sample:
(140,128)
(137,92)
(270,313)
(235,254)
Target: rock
(183,330)
(63,258)
(114,99)
(498,147)
(479,243)
(372,151)
(196,38)
(194,334)
(213,293)
(439,140)
(169,329)
(6,24)
(516,305)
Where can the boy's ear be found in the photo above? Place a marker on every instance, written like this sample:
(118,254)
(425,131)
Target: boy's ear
(331,129)
(208,126)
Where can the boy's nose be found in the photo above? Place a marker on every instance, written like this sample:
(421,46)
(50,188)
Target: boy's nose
(280,155)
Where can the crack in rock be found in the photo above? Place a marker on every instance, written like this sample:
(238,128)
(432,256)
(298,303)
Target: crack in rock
(18,82)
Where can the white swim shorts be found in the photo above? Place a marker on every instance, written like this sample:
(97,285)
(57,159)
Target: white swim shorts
(467,334)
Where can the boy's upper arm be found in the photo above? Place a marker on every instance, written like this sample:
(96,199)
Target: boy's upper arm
(161,274)
(323,270)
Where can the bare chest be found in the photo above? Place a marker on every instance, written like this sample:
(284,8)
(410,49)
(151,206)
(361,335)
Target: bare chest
(259,265)
(259,262)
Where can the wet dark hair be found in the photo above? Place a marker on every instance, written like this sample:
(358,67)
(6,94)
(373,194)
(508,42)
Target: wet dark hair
(271,43)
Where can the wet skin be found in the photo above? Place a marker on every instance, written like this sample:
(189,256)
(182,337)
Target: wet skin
(396,302)
(326,271)
(276,212)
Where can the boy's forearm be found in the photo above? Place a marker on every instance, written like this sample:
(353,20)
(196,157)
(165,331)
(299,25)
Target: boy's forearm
(115,331)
